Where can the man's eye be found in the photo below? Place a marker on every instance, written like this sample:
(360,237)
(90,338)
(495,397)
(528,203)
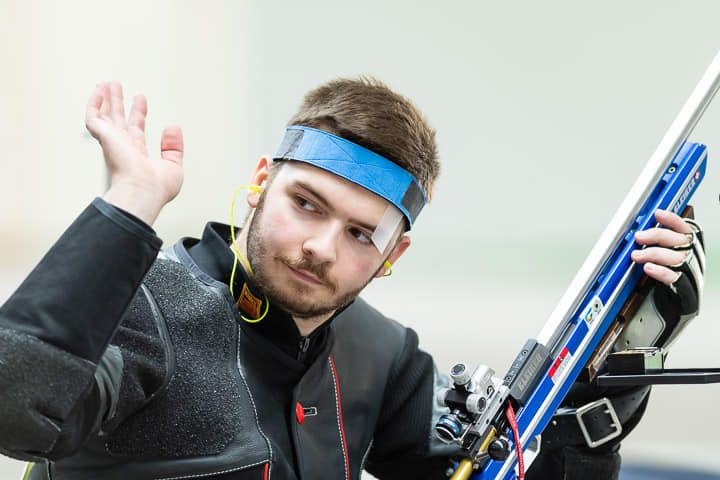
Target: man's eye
(305,204)
(359,235)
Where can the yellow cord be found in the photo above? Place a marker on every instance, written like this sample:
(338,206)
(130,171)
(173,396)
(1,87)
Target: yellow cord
(238,256)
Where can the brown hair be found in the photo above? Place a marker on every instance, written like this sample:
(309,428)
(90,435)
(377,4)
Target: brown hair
(367,112)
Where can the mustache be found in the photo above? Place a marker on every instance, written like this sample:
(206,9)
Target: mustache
(305,264)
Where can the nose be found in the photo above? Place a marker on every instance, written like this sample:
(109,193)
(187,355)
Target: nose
(321,245)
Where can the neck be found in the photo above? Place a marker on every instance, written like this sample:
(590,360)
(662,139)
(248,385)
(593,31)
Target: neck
(305,325)
(241,240)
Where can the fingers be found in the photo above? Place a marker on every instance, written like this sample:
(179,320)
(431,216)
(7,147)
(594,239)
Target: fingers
(105,110)
(136,121)
(94,102)
(107,103)
(171,144)
(661,236)
(138,112)
(660,273)
(105,107)
(657,259)
(92,111)
(672,221)
(659,256)
(117,109)
(675,234)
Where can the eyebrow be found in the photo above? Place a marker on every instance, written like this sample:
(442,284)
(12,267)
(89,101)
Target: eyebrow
(305,186)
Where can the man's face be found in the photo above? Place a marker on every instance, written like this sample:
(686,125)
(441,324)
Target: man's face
(309,240)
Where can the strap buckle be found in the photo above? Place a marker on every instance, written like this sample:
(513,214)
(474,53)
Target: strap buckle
(596,411)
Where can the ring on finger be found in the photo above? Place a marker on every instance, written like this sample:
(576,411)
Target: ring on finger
(687,245)
(684,261)
(673,284)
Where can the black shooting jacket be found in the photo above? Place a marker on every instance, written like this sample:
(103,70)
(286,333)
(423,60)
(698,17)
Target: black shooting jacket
(117,363)
(120,362)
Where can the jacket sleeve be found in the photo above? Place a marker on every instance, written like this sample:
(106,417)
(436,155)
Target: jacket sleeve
(404,443)
(56,328)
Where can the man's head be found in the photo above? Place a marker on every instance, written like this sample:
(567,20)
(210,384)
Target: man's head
(310,238)
(365,111)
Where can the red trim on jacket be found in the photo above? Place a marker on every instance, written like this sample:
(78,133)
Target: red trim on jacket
(340,419)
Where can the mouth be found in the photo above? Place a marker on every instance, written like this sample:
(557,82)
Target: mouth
(305,276)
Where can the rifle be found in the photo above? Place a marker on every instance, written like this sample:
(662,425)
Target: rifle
(482,417)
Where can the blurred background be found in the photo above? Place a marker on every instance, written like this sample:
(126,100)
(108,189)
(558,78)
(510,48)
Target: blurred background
(546,112)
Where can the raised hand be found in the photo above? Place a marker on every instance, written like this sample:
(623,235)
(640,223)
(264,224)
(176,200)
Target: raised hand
(138,184)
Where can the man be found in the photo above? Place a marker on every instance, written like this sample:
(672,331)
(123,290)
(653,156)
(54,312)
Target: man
(248,357)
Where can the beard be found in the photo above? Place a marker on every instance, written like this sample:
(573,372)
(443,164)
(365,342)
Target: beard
(299,300)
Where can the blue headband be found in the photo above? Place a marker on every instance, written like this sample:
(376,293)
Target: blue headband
(355,163)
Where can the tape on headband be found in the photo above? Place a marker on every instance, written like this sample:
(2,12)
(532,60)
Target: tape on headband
(357,164)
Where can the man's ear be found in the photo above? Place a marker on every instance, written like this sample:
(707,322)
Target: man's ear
(259,178)
(401,245)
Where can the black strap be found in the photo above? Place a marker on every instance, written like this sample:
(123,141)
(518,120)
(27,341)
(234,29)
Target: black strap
(564,429)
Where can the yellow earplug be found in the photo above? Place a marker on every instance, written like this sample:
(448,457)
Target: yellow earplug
(388,269)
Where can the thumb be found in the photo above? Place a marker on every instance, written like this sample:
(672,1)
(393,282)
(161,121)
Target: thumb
(171,144)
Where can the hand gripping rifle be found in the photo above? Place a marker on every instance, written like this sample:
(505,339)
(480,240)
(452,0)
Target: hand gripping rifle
(482,407)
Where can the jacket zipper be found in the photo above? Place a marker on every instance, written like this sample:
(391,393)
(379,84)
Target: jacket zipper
(303,348)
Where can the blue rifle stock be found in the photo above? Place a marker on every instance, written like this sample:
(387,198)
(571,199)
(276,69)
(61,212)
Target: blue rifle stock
(613,285)
(547,367)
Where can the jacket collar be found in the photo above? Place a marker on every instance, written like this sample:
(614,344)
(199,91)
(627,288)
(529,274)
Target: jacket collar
(213,256)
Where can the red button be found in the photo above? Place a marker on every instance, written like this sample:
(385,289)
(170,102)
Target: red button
(299,413)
